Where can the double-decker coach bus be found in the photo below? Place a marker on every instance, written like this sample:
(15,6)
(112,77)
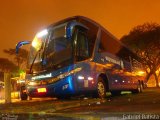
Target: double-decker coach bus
(77,56)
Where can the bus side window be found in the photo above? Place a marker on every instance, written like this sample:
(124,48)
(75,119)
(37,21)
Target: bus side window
(103,43)
(108,44)
(136,65)
(81,46)
(127,64)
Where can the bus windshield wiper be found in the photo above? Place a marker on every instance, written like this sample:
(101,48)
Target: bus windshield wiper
(34,61)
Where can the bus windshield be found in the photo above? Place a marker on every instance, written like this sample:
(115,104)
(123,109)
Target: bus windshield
(37,46)
(58,50)
(50,50)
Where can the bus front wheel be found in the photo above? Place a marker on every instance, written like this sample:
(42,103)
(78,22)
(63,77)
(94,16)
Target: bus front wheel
(101,88)
(23,94)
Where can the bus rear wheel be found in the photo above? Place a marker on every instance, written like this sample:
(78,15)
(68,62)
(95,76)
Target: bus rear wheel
(101,88)
(23,96)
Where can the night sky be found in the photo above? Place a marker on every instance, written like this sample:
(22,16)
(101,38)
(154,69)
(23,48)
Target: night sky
(21,19)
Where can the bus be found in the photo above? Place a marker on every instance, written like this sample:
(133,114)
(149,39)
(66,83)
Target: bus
(78,57)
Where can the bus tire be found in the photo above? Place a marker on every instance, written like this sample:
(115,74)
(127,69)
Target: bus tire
(115,92)
(101,88)
(139,88)
(23,95)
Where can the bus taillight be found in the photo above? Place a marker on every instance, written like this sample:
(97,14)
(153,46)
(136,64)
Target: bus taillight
(41,90)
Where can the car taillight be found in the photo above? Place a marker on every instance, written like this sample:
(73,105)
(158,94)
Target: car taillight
(41,90)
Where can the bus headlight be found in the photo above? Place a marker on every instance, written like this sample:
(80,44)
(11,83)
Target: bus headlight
(80,77)
(32,83)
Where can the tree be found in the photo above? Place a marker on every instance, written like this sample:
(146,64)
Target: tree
(144,40)
(7,66)
(20,58)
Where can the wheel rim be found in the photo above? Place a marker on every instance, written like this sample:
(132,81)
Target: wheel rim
(101,89)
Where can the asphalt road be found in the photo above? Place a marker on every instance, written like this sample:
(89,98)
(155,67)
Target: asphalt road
(147,102)
(145,105)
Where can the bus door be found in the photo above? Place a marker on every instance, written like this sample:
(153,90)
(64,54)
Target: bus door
(81,53)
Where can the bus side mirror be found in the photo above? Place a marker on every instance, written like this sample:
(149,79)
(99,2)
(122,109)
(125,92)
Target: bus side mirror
(21,44)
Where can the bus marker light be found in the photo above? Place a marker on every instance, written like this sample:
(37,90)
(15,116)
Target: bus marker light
(116,80)
(90,78)
(41,90)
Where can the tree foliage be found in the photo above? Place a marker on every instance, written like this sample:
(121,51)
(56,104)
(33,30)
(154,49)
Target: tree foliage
(7,66)
(20,58)
(144,40)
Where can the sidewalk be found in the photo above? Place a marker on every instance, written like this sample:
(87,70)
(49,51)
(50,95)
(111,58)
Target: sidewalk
(15,96)
(2,101)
